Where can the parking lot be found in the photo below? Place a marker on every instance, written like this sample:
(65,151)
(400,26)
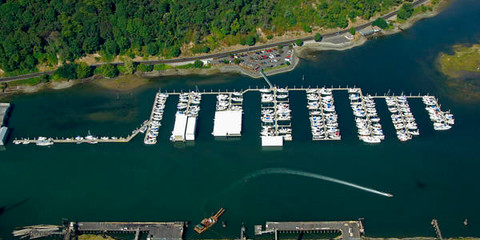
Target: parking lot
(260,59)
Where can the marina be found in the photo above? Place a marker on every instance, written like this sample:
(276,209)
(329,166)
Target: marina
(366,117)
(275,118)
(323,117)
(188,108)
(402,117)
(156,117)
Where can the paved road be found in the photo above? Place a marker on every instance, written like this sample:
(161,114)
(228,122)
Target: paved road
(223,54)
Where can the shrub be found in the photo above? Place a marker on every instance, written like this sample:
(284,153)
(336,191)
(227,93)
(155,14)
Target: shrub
(198,64)
(299,42)
(352,31)
(109,70)
(381,23)
(145,67)
(67,71)
(318,37)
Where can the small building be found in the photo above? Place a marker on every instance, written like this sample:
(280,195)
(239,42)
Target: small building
(272,141)
(349,36)
(367,31)
(3,135)
(376,29)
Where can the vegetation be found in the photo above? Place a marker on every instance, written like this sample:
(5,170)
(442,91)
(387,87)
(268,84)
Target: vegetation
(299,42)
(381,23)
(49,32)
(73,71)
(318,37)
(198,64)
(464,60)
(145,67)
(109,71)
(352,30)
(405,12)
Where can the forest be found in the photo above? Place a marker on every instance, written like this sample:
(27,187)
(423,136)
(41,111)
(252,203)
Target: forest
(47,32)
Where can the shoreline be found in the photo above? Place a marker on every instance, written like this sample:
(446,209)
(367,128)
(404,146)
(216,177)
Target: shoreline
(306,49)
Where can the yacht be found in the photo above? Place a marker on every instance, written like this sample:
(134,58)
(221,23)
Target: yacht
(43,141)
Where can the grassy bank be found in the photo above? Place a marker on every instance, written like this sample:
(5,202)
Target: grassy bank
(464,60)
(462,69)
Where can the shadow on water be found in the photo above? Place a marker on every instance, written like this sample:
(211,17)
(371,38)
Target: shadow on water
(7,208)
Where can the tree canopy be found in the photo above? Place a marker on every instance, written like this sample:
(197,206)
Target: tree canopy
(52,31)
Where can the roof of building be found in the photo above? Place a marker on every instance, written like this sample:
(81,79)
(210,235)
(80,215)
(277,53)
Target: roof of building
(227,123)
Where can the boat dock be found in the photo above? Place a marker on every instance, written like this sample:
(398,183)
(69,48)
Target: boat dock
(153,230)
(156,117)
(78,140)
(188,108)
(322,115)
(350,230)
(366,117)
(276,116)
(228,115)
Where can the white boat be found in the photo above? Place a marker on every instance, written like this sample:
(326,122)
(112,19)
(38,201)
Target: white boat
(371,139)
(43,141)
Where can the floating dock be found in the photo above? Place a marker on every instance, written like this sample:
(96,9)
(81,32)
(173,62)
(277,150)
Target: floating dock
(366,117)
(349,230)
(276,116)
(156,117)
(322,115)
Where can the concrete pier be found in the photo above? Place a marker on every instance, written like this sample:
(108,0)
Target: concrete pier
(350,230)
(153,230)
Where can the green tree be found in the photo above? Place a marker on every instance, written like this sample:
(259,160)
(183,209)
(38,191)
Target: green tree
(111,47)
(83,71)
(405,11)
(198,64)
(381,23)
(174,52)
(251,40)
(152,49)
(129,66)
(299,42)
(352,30)
(109,70)
(67,71)
(318,37)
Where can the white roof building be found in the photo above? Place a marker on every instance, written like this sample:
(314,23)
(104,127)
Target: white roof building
(178,133)
(272,141)
(227,123)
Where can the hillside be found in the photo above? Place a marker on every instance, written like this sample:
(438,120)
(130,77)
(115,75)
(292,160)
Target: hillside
(46,32)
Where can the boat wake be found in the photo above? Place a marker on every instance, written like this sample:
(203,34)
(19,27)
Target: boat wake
(270,171)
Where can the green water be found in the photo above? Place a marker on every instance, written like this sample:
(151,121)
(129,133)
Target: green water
(432,176)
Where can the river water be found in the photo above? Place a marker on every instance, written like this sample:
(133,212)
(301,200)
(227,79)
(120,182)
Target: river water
(432,176)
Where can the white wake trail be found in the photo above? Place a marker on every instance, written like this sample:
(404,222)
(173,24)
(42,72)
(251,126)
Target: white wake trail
(269,171)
